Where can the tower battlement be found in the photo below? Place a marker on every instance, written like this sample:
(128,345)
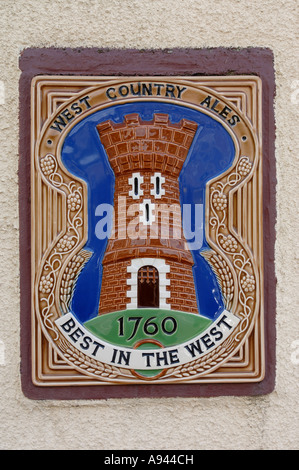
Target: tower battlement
(147,145)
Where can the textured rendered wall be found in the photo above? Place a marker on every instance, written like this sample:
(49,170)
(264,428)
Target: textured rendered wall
(267,422)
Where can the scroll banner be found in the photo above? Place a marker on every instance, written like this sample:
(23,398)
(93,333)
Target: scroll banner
(147,359)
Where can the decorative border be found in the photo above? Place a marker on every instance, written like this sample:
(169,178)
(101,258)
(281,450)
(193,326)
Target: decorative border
(232,250)
(47,306)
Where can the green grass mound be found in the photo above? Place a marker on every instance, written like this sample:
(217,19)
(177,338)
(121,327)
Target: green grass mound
(129,327)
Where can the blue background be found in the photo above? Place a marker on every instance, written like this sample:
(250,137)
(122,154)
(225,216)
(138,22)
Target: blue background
(212,152)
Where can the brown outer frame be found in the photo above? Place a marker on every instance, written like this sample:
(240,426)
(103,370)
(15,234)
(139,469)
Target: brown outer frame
(174,62)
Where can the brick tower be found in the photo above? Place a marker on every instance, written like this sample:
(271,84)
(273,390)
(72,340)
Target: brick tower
(147,262)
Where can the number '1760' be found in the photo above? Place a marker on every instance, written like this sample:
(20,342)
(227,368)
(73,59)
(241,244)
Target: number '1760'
(150,327)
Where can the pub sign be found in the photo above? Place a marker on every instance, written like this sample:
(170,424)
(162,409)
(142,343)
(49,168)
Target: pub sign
(146,230)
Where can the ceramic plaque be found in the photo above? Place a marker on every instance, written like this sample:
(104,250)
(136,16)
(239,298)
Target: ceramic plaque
(146,230)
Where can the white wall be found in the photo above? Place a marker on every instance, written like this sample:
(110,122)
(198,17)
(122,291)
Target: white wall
(268,422)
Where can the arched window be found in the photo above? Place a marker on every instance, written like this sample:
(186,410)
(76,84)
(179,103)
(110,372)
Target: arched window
(148,287)
(158,185)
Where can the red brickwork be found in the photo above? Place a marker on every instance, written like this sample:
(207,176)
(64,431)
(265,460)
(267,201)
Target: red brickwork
(136,146)
(114,287)
(183,297)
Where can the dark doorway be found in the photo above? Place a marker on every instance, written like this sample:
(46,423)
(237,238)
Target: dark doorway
(148,287)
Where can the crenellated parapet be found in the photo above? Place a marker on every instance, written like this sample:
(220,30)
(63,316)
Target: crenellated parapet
(147,145)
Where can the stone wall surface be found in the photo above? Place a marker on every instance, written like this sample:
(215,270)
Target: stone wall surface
(261,422)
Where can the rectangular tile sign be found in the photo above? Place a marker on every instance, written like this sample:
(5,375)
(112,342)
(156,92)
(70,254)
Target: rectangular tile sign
(147,235)
(147,254)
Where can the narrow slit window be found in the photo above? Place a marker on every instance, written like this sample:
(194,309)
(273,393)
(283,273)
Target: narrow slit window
(147,212)
(158,185)
(157,189)
(136,186)
(135,182)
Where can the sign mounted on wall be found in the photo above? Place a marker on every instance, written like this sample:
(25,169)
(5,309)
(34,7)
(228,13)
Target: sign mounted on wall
(147,253)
